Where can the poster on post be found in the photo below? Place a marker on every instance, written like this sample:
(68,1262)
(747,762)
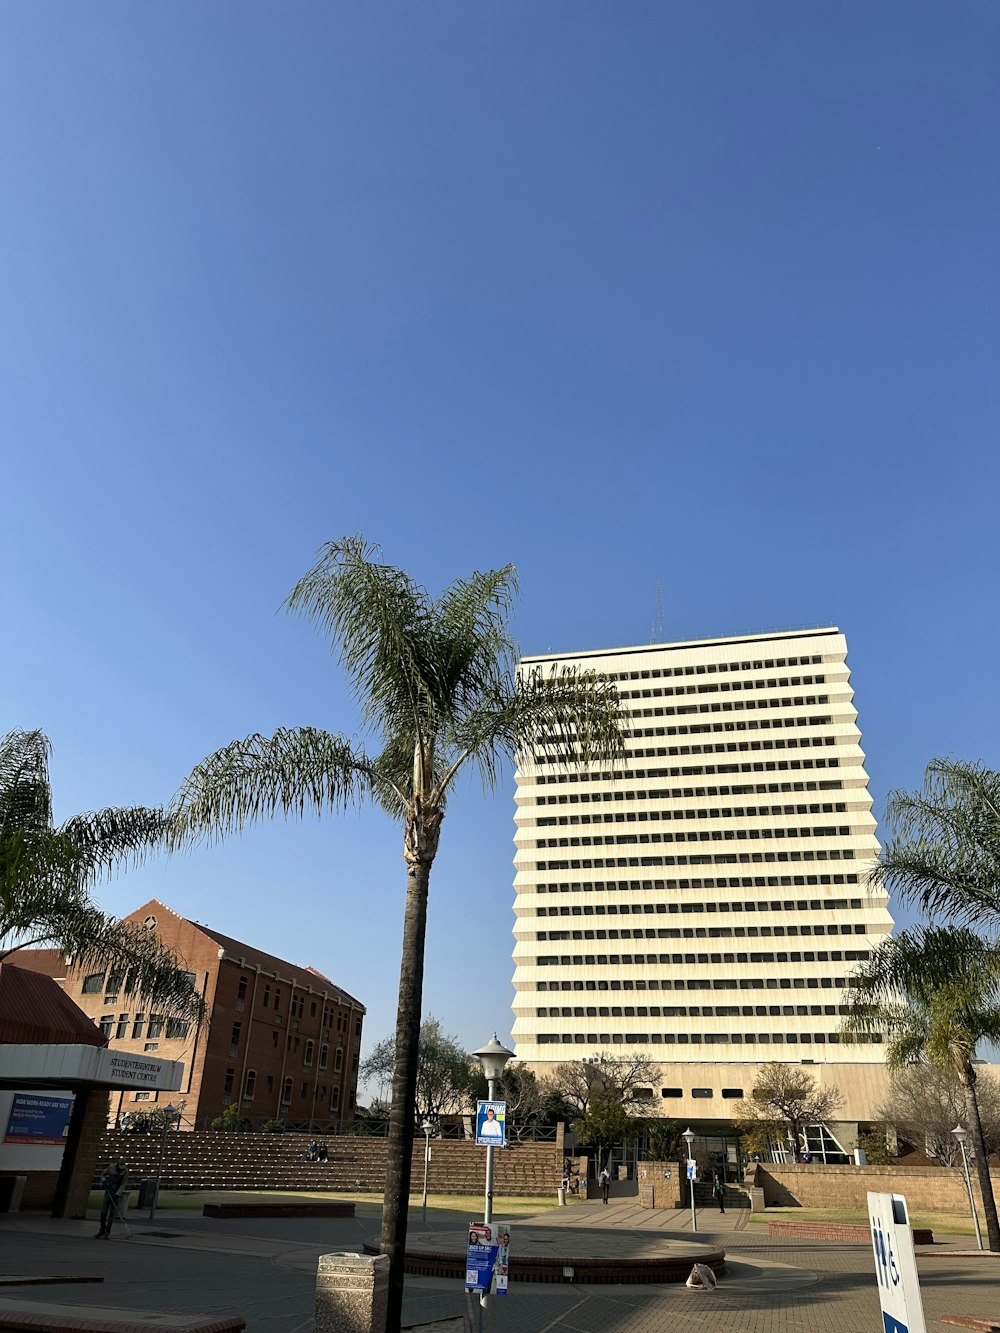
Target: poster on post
(491,1124)
(488,1257)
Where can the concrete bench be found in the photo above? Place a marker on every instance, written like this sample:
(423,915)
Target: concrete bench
(303,1209)
(35,1317)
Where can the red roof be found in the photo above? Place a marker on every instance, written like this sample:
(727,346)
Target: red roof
(267,962)
(36,1011)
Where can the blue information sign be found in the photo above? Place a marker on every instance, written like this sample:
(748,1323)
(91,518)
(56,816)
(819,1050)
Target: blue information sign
(38,1120)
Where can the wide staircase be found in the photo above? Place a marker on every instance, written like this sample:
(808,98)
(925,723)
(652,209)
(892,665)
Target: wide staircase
(204,1160)
(734,1197)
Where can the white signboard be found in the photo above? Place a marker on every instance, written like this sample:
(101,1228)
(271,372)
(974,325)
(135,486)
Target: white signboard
(895,1264)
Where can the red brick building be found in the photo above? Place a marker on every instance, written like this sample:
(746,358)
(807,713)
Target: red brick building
(282,1041)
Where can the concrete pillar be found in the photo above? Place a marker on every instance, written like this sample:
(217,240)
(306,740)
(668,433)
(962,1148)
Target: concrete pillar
(351,1291)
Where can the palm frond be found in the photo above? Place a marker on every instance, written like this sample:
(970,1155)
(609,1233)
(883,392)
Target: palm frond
(25,791)
(378,620)
(477,651)
(567,717)
(930,992)
(105,839)
(295,771)
(943,851)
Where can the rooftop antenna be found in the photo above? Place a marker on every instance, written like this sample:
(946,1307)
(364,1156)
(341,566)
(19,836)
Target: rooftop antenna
(658,635)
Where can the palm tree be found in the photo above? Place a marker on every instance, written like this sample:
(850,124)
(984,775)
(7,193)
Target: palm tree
(438,691)
(944,852)
(46,873)
(933,993)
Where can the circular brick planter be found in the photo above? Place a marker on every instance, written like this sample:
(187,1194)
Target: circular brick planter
(669,1266)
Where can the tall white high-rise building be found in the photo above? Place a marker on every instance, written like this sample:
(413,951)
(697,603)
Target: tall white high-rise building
(704,904)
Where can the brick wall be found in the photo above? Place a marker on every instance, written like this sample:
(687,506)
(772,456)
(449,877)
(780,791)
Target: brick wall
(937,1188)
(203,1160)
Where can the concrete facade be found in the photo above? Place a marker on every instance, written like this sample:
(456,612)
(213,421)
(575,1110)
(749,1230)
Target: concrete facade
(279,1040)
(726,857)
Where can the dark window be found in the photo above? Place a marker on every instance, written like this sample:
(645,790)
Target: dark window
(155,1028)
(227,1085)
(702,1092)
(234,1040)
(177,1027)
(671,1092)
(732,1092)
(122,1029)
(93,984)
(241,993)
(107,1022)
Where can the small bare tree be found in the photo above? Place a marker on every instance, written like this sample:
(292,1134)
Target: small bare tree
(790,1096)
(926,1102)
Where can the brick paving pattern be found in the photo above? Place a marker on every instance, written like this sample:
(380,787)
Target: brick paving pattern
(264,1270)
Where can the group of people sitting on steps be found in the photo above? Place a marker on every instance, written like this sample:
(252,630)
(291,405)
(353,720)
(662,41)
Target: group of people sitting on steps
(317,1152)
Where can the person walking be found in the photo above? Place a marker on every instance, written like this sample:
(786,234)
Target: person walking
(604,1180)
(113,1184)
(719,1193)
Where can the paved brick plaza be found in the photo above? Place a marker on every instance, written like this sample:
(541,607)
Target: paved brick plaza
(265,1270)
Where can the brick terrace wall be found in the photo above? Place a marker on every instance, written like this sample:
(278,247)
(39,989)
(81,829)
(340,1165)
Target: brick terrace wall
(205,1160)
(937,1188)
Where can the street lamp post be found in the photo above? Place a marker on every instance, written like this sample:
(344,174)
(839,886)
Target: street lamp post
(493,1057)
(688,1137)
(168,1115)
(962,1134)
(427,1127)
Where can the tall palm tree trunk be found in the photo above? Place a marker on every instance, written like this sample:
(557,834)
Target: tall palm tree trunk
(982,1158)
(404,1087)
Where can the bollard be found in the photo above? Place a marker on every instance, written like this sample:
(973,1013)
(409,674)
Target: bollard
(351,1292)
(561,1196)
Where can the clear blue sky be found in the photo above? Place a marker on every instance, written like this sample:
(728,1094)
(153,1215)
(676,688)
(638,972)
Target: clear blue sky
(702,295)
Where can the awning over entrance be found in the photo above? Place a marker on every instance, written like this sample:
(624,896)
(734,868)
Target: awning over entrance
(46,1041)
(69,1066)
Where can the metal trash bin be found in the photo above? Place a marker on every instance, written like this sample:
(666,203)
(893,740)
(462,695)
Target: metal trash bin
(11,1191)
(149,1188)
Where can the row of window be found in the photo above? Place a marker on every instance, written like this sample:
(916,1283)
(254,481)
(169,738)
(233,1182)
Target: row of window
(651,909)
(734,747)
(719,859)
(297,1006)
(694,983)
(176,1028)
(721,687)
(690,1011)
(111,983)
(700,959)
(700,1039)
(809,956)
(693,770)
(724,706)
(667,816)
(765,664)
(706,882)
(716,747)
(674,793)
(287,1090)
(701,835)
